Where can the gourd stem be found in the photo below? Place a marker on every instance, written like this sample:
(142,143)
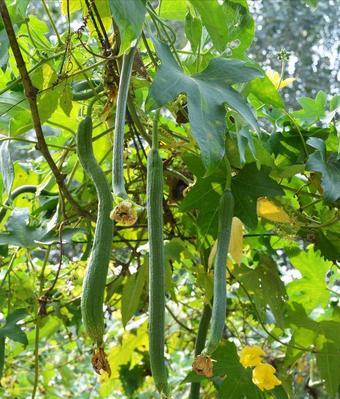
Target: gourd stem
(118,186)
(90,107)
(2,355)
(228,174)
(155,130)
(199,346)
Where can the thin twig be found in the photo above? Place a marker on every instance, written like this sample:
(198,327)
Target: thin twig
(37,325)
(190,330)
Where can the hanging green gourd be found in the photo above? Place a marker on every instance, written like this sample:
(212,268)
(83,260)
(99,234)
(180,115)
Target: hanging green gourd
(156,264)
(95,278)
(203,364)
(125,212)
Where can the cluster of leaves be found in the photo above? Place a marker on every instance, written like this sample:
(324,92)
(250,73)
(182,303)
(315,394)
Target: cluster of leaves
(218,108)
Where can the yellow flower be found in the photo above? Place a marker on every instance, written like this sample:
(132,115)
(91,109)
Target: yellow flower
(251,356)
(264,378)
(275,78)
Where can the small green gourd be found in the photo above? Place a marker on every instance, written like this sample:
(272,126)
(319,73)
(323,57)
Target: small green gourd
(86,89)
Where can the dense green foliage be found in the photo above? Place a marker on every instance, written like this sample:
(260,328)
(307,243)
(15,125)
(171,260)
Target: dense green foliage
(222,117)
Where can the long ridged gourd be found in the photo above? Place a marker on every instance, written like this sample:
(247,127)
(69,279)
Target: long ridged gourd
(225,216)
(95,278)
(156,267)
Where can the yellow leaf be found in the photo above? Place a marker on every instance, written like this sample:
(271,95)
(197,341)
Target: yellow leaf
(275,78)
(103,9)
(74,5)
(286,82)
(235,246)
(270,211)
(236,240)
(126,352)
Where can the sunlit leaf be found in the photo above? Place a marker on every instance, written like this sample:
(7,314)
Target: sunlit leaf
(329,169)
(311,289)
(270,211)
(313,110)
(249,185)
(173,10)
(236,240)
(71,5)
(265,91)
(6,167)
(129,16)
(131,294)
(11,330)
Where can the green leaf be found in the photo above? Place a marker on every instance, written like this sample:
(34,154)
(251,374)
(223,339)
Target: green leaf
(244,141)
(20,233)
(241,27)
(329,244)
(43,78)
(65,100)
(237,382)
(173,10)
(312,3)
(266,287)
(334,103)
(11,100)
(207,92)
(228,24)
(193,31)
(265,91)
(18,11)
(2,355)
(279,393)
(328,359)
(201,194)
(129,16)
(312,110)
(329,169)
(3,48)
(6,167)
(11,330)
(311,289)
(247,186)
(198,197)
(15,111)
(132,292)
(38,29)
(324,336)
(214,18)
